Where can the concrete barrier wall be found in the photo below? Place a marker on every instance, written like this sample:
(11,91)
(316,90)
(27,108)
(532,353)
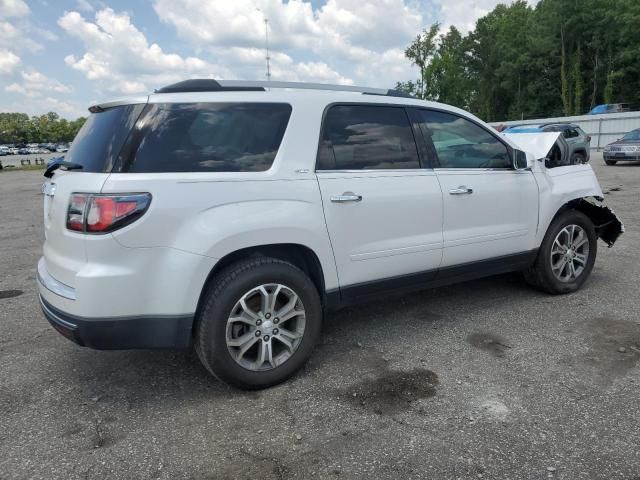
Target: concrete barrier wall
(603,129)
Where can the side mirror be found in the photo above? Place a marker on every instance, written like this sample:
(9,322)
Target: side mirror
(522,160)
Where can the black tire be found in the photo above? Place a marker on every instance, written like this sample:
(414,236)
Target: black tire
(578,159)
(540,274)
(610,162)
(224,291)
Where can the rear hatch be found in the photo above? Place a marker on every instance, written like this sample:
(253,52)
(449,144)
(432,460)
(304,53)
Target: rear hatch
(95,149)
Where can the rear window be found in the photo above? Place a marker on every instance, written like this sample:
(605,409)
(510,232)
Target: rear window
(97,144)
(359,137)
(206,137)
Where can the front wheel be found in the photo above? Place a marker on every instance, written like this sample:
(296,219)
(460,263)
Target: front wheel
(566,256)
(259,322)
(610,162)
(578,159)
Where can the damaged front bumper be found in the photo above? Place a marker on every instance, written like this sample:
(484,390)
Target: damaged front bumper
(607,224)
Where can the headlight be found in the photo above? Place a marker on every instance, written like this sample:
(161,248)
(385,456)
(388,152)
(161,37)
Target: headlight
(607,148)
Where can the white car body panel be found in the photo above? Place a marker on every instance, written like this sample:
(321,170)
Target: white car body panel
(537,144)
(396,228)
(406,222)
(561,185)
(485,224)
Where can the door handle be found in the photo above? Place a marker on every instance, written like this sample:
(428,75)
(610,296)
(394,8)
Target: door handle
(346,197)
(461,190)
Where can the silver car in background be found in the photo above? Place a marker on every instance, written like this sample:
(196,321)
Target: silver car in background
(626,148)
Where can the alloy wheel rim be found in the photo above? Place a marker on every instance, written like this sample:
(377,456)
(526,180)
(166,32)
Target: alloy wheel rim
(265,327)
(569,253)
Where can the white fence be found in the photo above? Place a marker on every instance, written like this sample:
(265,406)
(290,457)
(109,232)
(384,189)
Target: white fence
(603,129)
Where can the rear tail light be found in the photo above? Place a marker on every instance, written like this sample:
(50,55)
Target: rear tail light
(588,138)
(91,213)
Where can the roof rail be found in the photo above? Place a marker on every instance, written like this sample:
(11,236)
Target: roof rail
(210,85)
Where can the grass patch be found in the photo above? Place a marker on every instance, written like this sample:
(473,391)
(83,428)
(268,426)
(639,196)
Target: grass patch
(22,168)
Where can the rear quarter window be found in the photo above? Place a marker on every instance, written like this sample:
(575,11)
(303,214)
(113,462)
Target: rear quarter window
(206,137)
(98,142)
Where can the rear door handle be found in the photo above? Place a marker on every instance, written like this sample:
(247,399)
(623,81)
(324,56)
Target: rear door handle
(346,197)
(461,190)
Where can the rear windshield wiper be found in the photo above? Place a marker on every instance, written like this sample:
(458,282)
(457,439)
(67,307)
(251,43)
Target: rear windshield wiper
(56,165)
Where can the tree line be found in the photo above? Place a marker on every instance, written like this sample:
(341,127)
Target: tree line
(561,57)
(19,128)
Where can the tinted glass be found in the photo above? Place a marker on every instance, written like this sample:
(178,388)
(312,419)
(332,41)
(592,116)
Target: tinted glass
(98,142)
(461,143)
(362,137)
(207,137)
(632,135)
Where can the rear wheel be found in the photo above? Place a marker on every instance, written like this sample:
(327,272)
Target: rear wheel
(566,256)
(259,323)
(610,162)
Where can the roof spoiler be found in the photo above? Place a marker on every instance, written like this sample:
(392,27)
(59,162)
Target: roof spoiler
(136,100)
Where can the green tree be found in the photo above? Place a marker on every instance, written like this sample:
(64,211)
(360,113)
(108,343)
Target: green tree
(447,78)
(523,62)
(19,128)
(420,52)
(578,78)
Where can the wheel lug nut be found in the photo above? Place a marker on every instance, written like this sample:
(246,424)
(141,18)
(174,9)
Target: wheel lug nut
(266,338)
(276,320)
(258,322)
(258,333)
(267,316)
(275,331)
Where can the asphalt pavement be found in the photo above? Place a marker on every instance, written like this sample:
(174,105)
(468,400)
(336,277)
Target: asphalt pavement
(486,379)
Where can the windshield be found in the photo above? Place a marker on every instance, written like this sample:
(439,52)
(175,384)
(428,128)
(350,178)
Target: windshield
(98,142)
(632,135)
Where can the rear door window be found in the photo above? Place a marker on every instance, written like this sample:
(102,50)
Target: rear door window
(206,137)
(366,137)
(98,142)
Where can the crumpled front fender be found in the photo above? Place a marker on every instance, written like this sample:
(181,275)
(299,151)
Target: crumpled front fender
(608,226)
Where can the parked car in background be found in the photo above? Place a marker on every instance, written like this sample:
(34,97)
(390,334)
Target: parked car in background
(624,149)
(611,108)
(232,215)
(578,142)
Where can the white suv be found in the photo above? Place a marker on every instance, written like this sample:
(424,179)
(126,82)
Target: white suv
(232,215)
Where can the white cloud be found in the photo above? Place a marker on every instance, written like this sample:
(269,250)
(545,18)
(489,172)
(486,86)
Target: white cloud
(121,59)
(8,61)
(8,33)
(65,108)
(32,84)
(84,6)
(13,8)
(249,63)
(37,105)
(465,14)
(344,36)
(15,27)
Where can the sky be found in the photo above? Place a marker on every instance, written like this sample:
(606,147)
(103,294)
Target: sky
(65,55)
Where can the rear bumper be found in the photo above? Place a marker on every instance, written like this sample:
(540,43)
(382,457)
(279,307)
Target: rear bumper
(121,333)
